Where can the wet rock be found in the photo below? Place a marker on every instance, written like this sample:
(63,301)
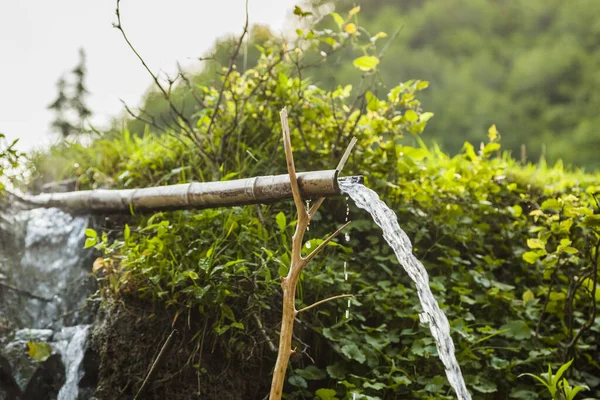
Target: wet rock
(9,389)
(47,380)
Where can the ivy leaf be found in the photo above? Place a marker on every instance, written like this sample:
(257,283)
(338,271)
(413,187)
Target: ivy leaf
(326,394)
(366,63)
(353,352)
(311,373)
(336,371)
(517,329)
(485,386)
(298,381)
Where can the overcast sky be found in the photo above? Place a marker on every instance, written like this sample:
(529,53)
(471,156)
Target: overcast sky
(39,41)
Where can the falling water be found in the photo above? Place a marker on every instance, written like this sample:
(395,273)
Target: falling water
(368,200)
(46,262)
(71,345)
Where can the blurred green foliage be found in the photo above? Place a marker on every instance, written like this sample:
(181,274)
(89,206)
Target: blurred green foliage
(528,66)
(512,251)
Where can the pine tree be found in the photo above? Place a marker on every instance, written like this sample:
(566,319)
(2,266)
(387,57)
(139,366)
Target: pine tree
(60,106)
(80,91)
(70,109)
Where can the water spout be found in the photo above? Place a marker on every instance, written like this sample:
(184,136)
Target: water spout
(432,315)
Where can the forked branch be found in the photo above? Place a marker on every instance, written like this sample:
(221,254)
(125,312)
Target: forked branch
(288,284)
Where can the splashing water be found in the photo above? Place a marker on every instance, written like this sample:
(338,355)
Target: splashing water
(432,315)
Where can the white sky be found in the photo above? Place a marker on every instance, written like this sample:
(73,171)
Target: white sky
(39,41)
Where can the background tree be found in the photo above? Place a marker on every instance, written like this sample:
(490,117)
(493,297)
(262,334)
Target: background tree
(528,66)
(70,109)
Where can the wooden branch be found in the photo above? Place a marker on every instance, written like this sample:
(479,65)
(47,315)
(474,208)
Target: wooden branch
(313,210)
(288,284)
(318,303)
(324,243)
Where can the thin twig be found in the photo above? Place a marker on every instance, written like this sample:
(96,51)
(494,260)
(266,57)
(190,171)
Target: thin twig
(346,154)
(339,296)
(324,243)
(24,292)
(160,358)
(264,333)
(236,51)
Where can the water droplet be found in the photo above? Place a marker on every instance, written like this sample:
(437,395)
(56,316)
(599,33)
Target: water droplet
(347,314)
(345,276)
(347,237)
(348,303)
(308,245)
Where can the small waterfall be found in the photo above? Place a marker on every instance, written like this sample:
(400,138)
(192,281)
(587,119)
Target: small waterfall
(46,269)
(71,343)
(432,315)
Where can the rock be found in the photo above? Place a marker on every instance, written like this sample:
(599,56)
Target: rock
(47,380)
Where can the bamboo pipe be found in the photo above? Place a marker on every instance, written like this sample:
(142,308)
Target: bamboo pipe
(257,190)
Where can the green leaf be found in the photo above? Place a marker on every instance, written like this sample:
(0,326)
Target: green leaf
(89,242)
(311,373)
(553,204)
(336,371)
(563,368)
(281,221)
(531,257)
(485,386)
(326,394)
(372,101)
(338,19)
(535,244)
(528,296)
(126,232)
(353,352)
(354,11)
(300,12)
(379,35)
(366,63)
(91,233)
(298,381)
(517,329)
(493,133)
(426,116)
(411,116)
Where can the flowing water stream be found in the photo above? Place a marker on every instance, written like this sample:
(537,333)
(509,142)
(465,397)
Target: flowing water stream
(432,315)
(44,272)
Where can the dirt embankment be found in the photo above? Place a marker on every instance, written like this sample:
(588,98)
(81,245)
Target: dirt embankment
(126,341)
